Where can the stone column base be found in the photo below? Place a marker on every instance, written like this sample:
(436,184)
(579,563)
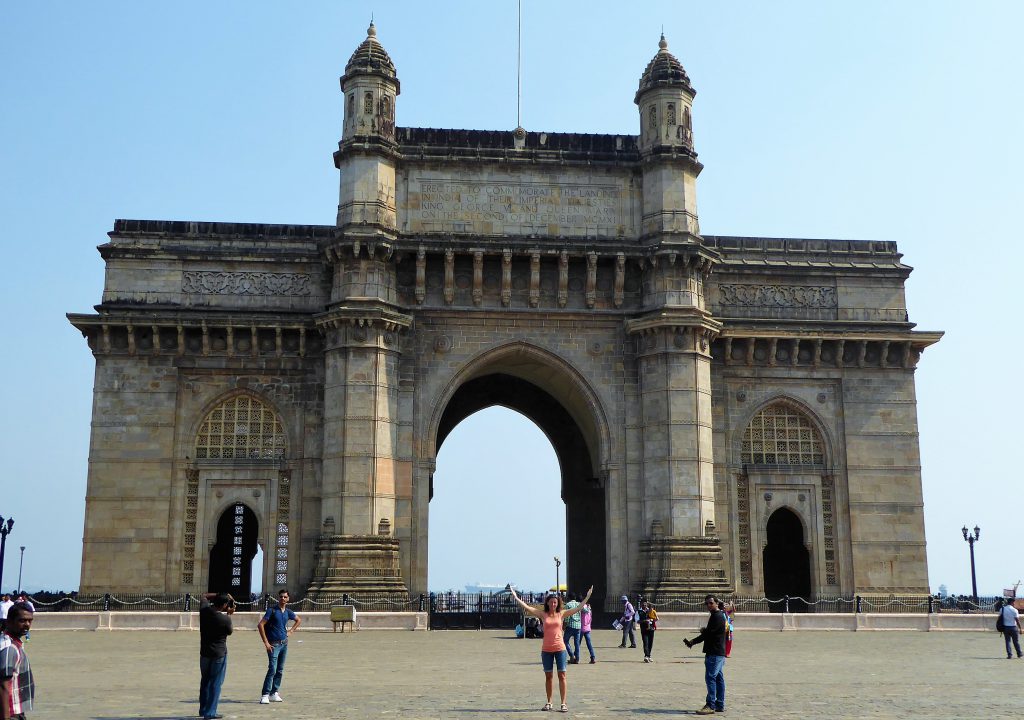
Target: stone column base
(678,567)
(357,564)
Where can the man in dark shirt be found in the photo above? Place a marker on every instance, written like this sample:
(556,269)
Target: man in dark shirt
(214,628)
(713,636)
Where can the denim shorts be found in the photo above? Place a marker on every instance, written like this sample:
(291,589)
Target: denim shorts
(548,660)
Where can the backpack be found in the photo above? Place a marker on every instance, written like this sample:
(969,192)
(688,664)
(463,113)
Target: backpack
(1000,625)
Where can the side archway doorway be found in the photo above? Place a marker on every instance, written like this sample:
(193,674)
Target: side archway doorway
(787,562)
(232,553)
(581,490)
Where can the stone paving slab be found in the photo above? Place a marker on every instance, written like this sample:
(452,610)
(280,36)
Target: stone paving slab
(489,674)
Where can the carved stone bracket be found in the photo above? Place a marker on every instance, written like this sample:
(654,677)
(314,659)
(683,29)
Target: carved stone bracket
(478,277)
(421,275)
(563,279)
(506,277)
(534,279)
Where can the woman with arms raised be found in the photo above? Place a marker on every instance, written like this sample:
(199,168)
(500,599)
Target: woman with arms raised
(553,648)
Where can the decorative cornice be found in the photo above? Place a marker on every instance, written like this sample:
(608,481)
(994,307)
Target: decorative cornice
(870,350)
(132,333)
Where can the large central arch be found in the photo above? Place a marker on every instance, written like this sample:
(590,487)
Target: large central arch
(551,393)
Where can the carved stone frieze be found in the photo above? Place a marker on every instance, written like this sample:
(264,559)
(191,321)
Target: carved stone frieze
(790,296)
(205,282)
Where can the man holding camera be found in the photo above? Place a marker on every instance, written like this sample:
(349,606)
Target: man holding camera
(713,636)
(214,628)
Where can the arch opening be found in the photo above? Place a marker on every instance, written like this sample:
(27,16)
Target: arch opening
(787,562)
(498,515)
(579,487)
(231,557)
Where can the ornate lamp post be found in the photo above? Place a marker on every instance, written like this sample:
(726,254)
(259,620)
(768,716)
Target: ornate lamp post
(558,579)
(21,564)
(5,530)
(971,539)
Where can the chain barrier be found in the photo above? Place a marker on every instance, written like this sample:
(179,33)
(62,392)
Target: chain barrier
(468,602)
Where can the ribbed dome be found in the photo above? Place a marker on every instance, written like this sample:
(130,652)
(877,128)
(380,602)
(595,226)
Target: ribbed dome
(664,69)
(370,58)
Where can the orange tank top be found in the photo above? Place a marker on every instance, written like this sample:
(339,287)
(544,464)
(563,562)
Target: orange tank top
(553,633)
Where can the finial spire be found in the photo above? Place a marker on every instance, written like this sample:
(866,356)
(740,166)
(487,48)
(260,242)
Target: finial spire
(663,44)
(372,30)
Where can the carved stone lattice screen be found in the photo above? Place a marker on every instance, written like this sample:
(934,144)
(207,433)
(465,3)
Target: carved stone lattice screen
(188,552)
(284,500)
(828,521)
(743,522)
(781,435)
(241,428)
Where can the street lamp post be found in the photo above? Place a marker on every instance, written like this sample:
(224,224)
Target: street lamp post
(5,530)
(971,539)
(21,564)
(558,578)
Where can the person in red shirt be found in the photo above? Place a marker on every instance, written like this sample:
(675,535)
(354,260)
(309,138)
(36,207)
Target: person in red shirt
(552,615)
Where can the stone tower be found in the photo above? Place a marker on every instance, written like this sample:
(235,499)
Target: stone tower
(673,333)
(362,326)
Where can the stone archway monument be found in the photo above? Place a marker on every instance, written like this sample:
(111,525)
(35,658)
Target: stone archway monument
(561,275)
(690,384)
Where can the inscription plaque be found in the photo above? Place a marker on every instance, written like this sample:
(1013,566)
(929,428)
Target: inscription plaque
(515,207)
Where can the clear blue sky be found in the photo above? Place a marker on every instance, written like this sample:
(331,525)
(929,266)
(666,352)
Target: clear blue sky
(869,120)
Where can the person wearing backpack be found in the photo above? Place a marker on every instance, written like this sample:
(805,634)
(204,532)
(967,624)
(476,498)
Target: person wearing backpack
(1009,624)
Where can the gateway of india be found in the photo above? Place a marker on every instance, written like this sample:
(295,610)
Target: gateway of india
(730,414)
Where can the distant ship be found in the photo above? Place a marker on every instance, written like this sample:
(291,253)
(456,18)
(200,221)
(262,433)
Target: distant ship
(483,588)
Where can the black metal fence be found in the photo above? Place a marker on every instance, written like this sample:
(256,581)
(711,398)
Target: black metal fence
(477,611)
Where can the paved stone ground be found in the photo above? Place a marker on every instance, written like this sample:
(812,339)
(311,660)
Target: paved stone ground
(488,674)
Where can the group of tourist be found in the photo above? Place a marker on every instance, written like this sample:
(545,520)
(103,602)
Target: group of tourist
(575,618)
(215,626)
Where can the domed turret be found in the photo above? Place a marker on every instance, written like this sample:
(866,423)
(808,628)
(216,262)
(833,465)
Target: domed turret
(370,58)
(370,85)
(665,98)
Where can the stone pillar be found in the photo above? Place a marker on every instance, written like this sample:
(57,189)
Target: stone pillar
(681,553)
(363,330)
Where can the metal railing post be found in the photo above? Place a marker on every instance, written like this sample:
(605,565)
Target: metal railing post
(106,602)
(188,602)
(785,603)
(860,604)
(931,604)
